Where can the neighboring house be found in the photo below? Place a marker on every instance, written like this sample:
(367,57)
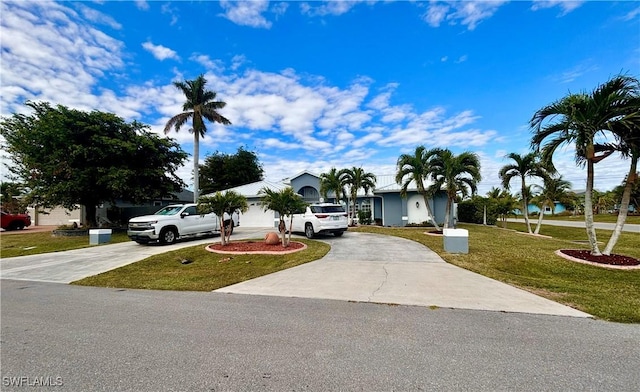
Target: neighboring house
(59,216)
(533,209)
(386,206)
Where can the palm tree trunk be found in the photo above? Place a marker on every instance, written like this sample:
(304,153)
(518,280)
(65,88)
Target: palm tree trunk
(223,238)
(588,211)
(433,217)
(624,206)
(540,216)
(196,158)
(290,229)
(282,227)
(447,213)
(525,203)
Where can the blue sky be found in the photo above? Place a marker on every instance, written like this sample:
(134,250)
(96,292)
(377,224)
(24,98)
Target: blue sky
(313,85)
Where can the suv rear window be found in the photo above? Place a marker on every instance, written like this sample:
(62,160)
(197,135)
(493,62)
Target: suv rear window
(326,209)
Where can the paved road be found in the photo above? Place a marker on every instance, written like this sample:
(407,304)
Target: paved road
(632,228)
(98,339)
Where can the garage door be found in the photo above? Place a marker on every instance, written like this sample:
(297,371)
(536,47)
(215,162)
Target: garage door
(257,217)
(57,217)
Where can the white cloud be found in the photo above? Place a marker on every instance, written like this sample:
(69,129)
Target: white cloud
(247,13)
(566,5)
(142,5)
(160,52)
(97,16)
(467,13)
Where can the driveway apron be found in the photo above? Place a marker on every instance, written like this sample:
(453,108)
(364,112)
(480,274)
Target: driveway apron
(364,267)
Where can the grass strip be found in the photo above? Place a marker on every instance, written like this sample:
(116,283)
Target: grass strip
(529,263)
(206,271)
(12,245)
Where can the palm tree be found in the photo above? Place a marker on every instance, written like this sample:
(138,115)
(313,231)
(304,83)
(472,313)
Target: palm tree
(286,203)
(200,105)
(554,189)
(525,166)
(627,133)
(580,119)
(220,204)
(331,182)
(416,168)
(357,178)
(456,174)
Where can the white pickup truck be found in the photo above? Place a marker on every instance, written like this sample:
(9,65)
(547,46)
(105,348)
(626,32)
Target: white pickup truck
(173,222)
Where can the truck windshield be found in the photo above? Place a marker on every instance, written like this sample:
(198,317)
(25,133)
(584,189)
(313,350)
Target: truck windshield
(169,210)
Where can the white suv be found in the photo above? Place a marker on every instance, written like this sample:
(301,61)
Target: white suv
(321,218)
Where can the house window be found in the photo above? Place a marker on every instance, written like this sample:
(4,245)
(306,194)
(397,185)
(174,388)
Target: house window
(547,209)
(309,194)
(366,206)
(157,203)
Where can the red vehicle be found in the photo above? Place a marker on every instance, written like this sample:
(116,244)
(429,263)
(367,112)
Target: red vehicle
(15,221)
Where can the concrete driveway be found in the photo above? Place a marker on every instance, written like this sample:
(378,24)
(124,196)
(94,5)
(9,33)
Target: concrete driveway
(360,267)
(366,267)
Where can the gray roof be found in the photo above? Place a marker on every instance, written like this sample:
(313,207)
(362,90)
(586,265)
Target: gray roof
(253,189)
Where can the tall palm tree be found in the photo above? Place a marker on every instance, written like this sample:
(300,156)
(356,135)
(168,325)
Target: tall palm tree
(581,119)
(525,166)
(416,168)
(200,105)
(457,174)
(554,189)
(331,182)
(356,178)
(627,134)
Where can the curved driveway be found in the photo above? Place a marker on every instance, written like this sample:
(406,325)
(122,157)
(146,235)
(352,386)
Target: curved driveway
(382,269)
(359,267)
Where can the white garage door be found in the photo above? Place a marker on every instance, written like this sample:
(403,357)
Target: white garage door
(257,217)
(57,217)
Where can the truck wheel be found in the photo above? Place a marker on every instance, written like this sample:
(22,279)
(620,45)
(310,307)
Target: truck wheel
(308,231)
(168,236)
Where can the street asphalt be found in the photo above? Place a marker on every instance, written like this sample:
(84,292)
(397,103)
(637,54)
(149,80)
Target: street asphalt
(376,314)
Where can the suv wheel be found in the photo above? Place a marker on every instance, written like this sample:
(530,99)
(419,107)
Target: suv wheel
(308,230)
(168,236)
(338,233)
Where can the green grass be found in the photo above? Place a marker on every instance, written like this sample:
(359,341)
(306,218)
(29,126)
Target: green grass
(529,262)
(207,271)
(604,218)
(12,245)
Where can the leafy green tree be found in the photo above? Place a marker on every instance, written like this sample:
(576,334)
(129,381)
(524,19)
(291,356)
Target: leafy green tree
(580,119)
(11,194)
(220,204)
(332,182)
(223,171)
(356,178)
(525,166)
(199,106)
(66,157)
(456,174)
(416,168)
(286,203)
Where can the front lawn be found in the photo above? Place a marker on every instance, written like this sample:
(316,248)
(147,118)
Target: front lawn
(206,271)
(12,245)
(529,262)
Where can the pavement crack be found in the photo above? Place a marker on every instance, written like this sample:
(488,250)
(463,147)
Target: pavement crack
(386,277)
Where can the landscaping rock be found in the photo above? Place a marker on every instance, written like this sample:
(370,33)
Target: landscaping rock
(272,238)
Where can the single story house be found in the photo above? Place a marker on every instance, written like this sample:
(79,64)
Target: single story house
(386,206)
(106,212)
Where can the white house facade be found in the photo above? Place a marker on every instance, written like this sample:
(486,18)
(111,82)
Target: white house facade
(387,207)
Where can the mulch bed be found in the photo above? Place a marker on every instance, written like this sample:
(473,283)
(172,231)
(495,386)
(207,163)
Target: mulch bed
(255,247)
(612,259)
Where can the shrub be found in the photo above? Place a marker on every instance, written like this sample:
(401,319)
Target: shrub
(364,217)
